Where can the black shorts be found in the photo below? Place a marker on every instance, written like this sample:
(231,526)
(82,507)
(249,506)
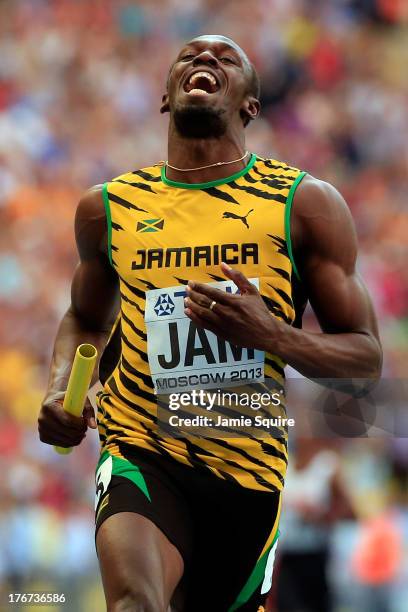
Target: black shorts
(226,534)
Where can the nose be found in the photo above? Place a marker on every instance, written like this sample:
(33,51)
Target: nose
(205,57)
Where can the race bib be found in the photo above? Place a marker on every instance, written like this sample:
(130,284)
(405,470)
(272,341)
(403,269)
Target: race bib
(183,356)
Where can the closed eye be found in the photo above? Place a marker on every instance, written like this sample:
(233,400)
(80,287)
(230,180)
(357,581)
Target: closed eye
(227,60)
(186,58)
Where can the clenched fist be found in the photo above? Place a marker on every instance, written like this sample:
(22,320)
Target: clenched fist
(60,428)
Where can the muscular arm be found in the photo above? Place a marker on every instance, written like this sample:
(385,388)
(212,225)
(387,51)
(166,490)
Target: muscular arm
(325,249)
(89,318)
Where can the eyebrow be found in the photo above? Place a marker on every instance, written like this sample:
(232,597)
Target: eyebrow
(226,46)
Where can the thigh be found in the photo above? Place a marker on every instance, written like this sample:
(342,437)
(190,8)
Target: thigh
(137,561)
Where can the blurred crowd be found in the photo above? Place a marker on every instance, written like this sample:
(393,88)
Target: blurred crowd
(80,89)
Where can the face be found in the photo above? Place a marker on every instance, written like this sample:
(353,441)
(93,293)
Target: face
(208,88)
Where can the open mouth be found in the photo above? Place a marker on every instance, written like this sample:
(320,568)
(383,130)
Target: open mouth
(201,82)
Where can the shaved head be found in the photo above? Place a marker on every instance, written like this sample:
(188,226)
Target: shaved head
(224,39)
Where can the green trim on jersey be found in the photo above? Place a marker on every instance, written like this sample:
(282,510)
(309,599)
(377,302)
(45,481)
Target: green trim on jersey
(288,209)
(255,578)
(222,181)
(108,219)
(126,469)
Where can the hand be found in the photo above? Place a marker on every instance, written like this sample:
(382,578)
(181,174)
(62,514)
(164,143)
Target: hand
(60,428)
(242,319)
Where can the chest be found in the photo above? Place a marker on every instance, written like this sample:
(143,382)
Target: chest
(182,234)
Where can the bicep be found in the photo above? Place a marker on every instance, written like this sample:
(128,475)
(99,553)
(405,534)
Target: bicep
(340,300)
(94,291)
(335,290)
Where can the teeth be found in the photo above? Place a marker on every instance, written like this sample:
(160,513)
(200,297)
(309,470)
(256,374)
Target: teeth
(205,75)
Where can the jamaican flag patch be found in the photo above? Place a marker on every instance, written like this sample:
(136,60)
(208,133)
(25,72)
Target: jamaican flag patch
(150,225)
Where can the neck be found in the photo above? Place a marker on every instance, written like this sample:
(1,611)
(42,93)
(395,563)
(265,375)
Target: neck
(193,153)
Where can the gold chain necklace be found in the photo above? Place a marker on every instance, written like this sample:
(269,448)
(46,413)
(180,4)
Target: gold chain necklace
(209,165)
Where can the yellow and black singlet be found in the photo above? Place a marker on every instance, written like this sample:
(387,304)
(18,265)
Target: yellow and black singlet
(161,234)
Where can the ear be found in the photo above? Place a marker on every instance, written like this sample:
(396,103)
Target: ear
(165,107)
(250,109)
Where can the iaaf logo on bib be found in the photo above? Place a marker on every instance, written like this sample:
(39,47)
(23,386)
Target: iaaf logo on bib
(180,352)
(164,305)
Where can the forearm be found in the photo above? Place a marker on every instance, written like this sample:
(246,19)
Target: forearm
(322,355)
(72,332)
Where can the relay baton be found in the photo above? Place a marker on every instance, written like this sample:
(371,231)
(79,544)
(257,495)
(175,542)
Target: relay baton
(78,384)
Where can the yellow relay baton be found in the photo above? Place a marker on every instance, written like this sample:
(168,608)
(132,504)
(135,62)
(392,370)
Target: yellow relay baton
(78,384)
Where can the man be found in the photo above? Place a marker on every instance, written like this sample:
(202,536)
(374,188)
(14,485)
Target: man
(192,521)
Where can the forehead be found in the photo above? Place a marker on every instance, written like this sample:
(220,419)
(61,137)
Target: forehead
(216,42)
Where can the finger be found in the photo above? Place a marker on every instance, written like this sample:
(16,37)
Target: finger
(203,312)
(70,421)
(203,301)
(239,279)
(58,437)
(56,429)
(202,322)
(64,442)
(221,297)
(89,415)
(199,298)
(54,413)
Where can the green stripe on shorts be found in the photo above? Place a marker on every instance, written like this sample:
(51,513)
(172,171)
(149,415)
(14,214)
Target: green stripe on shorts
(126,469)
(255,579)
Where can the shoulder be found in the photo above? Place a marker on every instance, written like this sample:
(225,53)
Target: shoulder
(314,195)
(91,203)
(90,210)
(90,222)
(319,212)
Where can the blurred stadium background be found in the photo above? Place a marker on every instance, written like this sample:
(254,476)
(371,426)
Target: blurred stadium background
(80,87)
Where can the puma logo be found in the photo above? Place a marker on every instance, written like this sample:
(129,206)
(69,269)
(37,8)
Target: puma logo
(230,215)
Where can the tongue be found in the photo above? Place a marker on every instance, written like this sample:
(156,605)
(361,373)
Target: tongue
(198,91)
